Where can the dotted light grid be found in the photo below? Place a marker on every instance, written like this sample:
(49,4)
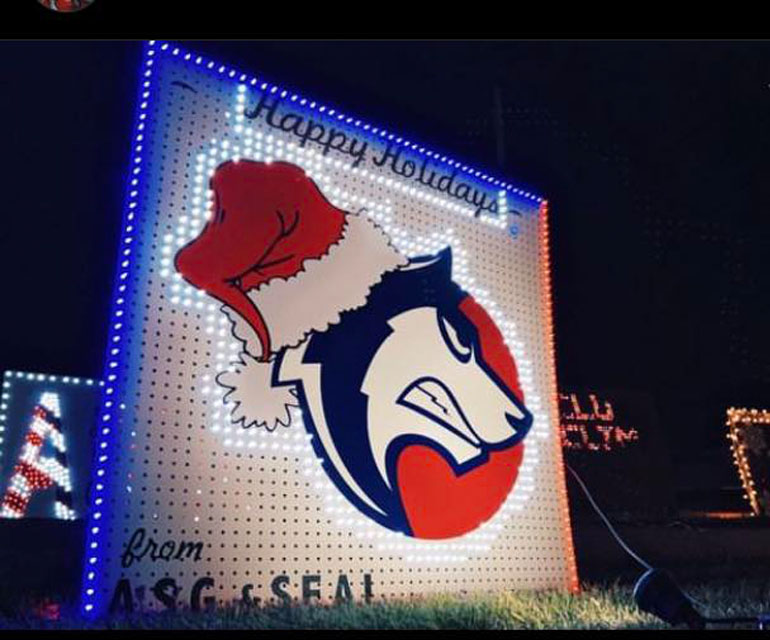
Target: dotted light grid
(49,466)
(246,142)
(9,376)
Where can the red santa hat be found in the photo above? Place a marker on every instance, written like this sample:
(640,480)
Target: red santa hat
(282,259)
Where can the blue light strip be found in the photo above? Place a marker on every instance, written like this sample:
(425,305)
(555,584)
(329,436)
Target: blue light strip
(415,147)
(114,348)
(105,437)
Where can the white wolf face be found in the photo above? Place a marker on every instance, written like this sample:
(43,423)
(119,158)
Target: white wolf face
(419,364)
(424,382)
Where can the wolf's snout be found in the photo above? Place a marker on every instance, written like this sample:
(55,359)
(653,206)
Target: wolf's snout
(420,389)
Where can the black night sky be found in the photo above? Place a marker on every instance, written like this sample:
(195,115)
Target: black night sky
(654,156)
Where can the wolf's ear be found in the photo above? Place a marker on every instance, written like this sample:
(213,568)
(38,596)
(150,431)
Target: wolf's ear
(444,262)
(439,262)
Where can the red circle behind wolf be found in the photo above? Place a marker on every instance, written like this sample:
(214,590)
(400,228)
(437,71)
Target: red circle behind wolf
(437,502)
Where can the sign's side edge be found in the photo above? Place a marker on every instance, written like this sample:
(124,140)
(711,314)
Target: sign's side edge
(572,582)
(104,436)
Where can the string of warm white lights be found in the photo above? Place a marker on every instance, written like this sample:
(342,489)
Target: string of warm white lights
(738,421)
(548,333)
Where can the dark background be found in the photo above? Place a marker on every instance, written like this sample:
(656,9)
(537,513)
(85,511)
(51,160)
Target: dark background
(654,156)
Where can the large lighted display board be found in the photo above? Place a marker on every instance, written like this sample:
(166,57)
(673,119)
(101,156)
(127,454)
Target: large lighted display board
(330,371)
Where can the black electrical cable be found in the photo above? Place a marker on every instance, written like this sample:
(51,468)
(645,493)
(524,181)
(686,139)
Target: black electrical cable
(748,620)
(614,533)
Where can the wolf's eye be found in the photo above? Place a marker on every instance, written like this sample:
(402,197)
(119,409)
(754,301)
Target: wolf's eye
(449,333)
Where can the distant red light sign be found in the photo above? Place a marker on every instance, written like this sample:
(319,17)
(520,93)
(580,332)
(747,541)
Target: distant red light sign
(592,425)
(610,438)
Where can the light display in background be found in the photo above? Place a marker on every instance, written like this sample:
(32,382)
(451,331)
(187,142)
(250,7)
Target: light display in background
(609,437)
(330,371)
(749,436)
(594,425)
(46,433)
(34,472)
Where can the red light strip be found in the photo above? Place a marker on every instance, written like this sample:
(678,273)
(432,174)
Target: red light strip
(573,583)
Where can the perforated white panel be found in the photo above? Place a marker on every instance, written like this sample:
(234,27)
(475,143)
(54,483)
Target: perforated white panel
(174,470)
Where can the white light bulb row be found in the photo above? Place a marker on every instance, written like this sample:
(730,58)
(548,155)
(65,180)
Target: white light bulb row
(438,559)
(44,377)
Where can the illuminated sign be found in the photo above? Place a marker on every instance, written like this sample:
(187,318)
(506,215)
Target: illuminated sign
(609,438)
(593,428)
(46,425)
(330,371)
(749,435)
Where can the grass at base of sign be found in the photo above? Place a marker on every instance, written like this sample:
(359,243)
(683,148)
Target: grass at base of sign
(595,607)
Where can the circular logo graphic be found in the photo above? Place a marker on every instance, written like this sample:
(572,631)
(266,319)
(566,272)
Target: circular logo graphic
(66,6)
(407,390)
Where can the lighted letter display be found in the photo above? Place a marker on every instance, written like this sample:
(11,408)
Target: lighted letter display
(46,435)
(330,370)
(609,438)
(595,428)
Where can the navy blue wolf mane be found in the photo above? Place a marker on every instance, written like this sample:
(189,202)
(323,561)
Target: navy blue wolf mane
(345,351)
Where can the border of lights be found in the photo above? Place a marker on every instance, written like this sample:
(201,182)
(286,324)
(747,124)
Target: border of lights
(553,393)
(104,437)
(736,420)
(121,292)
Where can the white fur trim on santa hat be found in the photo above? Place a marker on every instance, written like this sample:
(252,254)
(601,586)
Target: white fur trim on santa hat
(256,402)
(313,299)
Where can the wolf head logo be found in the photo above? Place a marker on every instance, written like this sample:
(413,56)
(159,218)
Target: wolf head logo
(408,396)
(404,381)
